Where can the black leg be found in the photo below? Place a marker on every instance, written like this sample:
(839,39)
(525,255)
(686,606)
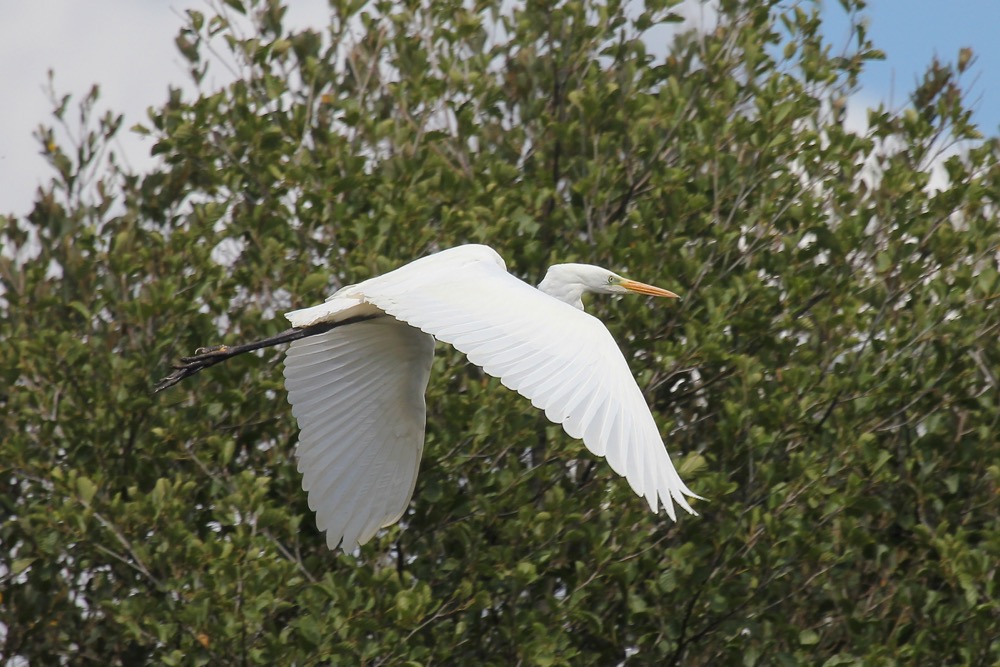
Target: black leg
(209,356)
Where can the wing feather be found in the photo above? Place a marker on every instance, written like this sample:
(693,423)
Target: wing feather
(562,359)
(357,392)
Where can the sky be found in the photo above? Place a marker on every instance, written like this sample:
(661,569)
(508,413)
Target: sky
(911,33)
(127,47)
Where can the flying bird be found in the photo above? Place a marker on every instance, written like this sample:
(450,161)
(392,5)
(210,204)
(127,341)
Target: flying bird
(358,366)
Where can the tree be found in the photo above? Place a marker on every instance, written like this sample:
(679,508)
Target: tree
(828,383)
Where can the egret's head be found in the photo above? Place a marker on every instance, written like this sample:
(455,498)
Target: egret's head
(612,283)
(568,282)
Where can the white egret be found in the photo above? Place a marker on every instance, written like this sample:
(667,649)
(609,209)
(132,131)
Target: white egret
(358,366)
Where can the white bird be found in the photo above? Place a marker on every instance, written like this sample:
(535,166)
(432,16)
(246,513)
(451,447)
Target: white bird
(358,366)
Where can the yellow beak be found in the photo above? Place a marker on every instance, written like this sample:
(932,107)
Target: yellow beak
(643,288)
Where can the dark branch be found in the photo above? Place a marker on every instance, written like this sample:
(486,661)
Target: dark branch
(209,356)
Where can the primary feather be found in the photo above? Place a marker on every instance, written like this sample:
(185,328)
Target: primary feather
(357,391)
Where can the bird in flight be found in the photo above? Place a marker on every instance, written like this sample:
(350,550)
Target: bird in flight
(358,365)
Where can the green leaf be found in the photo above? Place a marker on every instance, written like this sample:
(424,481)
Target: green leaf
(85,489)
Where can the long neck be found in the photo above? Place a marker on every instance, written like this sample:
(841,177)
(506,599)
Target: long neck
(560,285)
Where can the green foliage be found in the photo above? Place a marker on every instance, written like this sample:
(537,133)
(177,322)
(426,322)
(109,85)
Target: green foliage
(828,382)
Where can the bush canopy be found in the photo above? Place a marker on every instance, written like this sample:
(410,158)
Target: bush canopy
(829,382)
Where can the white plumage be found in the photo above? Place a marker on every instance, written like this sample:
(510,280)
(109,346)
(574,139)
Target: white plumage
(357,390)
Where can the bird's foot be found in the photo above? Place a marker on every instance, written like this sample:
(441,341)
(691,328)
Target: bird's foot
(203,353)
(209,350)
(202,358)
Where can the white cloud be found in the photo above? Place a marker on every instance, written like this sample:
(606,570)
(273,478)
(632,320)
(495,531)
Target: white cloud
(127,48)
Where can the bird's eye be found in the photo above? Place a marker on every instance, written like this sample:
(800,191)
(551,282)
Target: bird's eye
(611,280)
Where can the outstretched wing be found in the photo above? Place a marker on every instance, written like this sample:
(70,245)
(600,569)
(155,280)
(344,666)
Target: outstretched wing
(357,392)
(562,359)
